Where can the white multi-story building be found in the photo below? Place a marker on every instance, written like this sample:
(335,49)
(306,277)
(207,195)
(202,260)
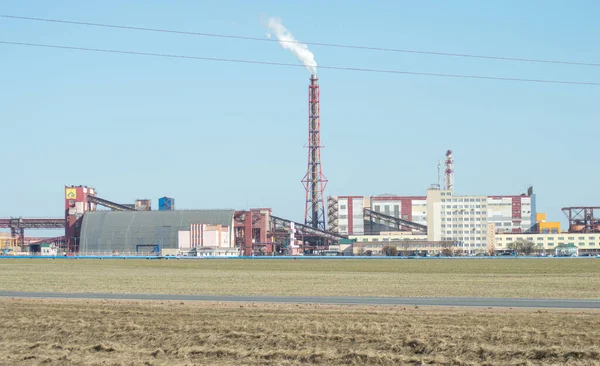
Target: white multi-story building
(460,219)
(346,214)
(512,214)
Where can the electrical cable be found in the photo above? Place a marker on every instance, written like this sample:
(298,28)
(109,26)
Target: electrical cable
(298,65)
(337,45)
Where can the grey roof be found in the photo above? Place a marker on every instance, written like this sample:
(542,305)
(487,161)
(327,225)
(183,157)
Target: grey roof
(125,230)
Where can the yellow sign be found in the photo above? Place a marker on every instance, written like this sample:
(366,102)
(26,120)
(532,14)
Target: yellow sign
(71,193)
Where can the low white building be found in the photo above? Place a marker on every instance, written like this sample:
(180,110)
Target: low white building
(586,243)
(49,249)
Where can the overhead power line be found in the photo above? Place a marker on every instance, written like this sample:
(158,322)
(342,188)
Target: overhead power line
(270,63)
(357,47)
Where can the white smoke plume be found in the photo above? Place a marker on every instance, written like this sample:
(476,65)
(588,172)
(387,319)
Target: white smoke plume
(288,42)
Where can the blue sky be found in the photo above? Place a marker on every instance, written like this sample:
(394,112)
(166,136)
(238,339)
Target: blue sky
(219,135)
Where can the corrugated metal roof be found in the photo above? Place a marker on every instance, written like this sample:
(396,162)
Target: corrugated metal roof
(125,230)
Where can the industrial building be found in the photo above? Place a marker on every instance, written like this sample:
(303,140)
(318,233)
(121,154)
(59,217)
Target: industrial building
(130,229)
(155,231)
(588,243)
(435,222)
(510,214)
(406,243)
(545,227)
(469,224)
(7,241)
(460,219)
(465,224)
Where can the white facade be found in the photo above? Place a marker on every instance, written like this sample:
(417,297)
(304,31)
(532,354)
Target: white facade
(586,243)
(350,215)
(419,211)
(184,241)
(461,219)
(388,236)
(391,207)
(411,208)
(49,250)
(511,214)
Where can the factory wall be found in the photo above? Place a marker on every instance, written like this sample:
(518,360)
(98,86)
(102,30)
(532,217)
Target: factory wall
(388,236)
(411,208)
(512,214)
(547,227)
(586,243)
(462,219)
(124,231)
(346,213)
(76,205)
(404,247)
(8,241)
(349,212)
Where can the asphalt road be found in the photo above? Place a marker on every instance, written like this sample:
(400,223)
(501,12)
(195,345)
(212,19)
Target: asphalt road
(416,301)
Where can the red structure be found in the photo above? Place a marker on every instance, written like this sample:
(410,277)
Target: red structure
(583,219)
(77,203)
(251,229)
(314,180)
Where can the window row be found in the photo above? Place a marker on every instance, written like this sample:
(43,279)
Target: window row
(463,225)
(448,232)
(449,213)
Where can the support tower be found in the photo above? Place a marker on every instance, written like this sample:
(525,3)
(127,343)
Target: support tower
(314,180)
(449,177)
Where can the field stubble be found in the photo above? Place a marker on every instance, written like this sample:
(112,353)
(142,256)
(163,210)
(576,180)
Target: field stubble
(121,333)
(525,278)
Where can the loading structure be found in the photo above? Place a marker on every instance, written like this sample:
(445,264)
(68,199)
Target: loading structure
(251,230)
(17,226)
(311,239)
(78,201)
(583,219)
(255,229)
(394,222)
(109,204)
(258,231)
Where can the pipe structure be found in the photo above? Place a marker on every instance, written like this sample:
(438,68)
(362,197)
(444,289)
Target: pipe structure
(449,176)
(314,180)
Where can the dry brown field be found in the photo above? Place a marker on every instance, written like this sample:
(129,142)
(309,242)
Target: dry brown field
(524,278)
(74,332)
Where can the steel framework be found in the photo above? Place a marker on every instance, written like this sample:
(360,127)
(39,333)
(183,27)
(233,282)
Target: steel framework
(396,221)
(583,219)
(314,180)
(332,214)
(17,225)
(244,225)
(109,204)
(305,231)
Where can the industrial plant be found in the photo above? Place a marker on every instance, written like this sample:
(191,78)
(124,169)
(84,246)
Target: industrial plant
(438,222)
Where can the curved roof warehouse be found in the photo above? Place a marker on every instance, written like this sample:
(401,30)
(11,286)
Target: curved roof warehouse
(125,231)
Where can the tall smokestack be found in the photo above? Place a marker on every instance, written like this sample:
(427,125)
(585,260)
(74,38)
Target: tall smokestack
(439,181)
(314,180)
(449,177)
